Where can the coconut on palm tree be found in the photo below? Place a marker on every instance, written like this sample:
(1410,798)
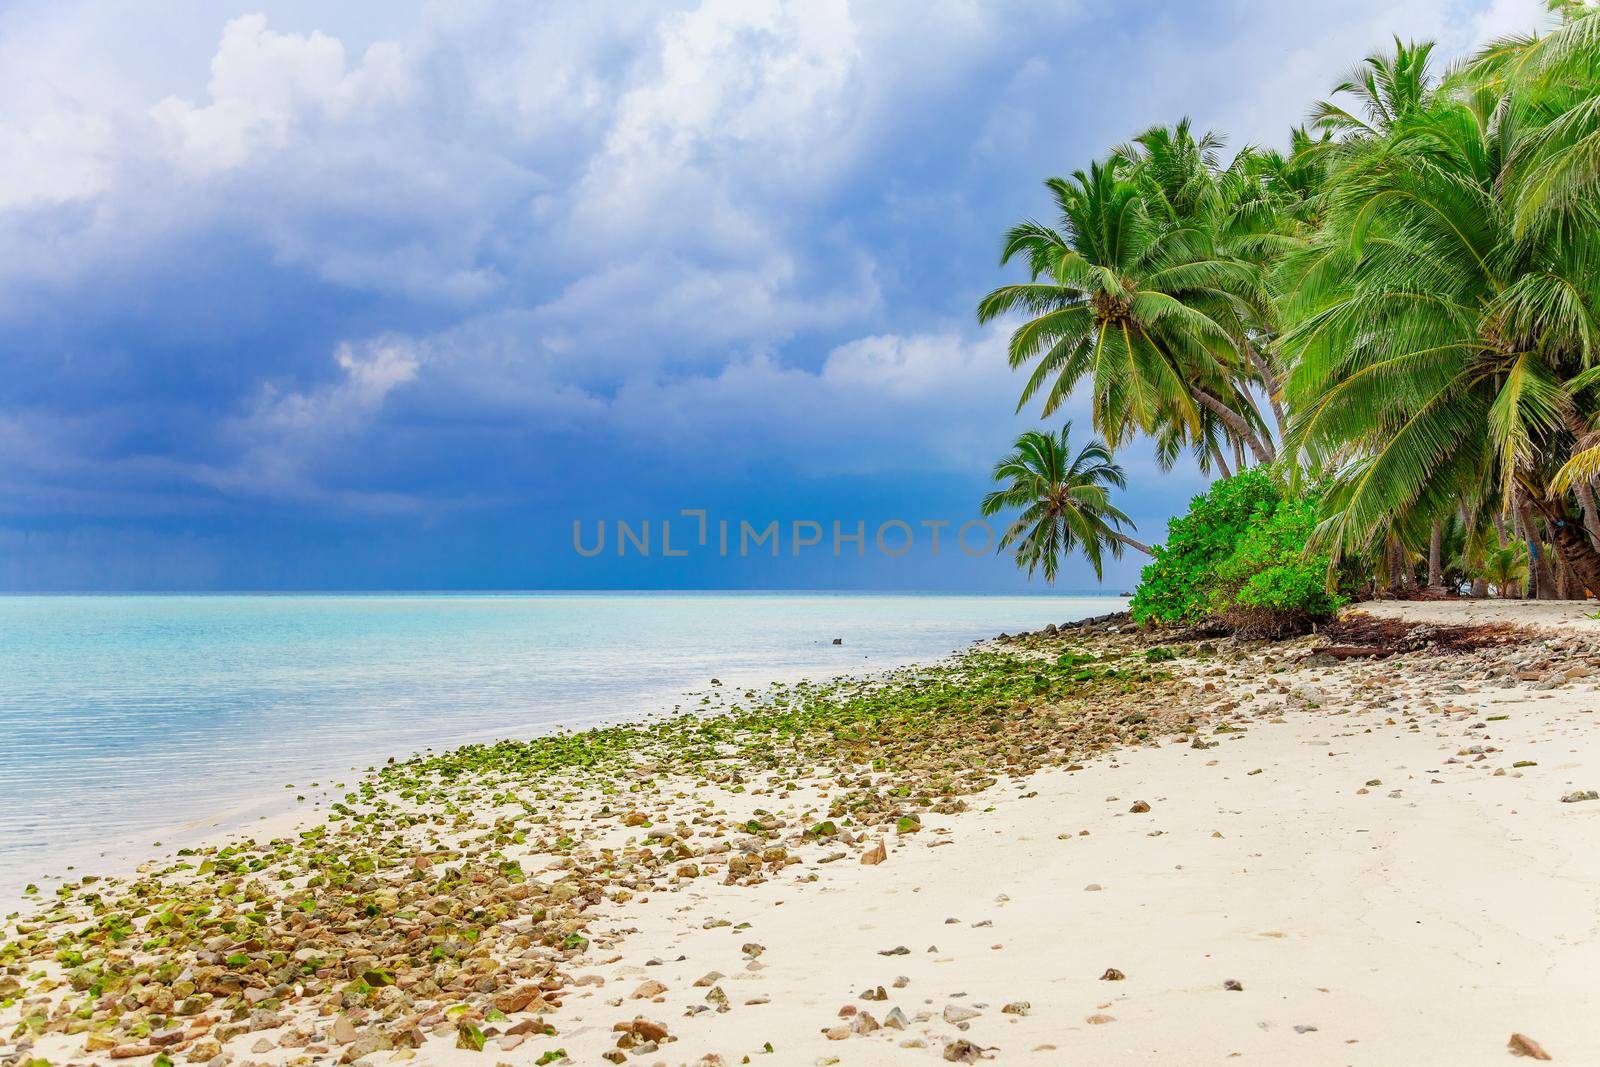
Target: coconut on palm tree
(1063,501)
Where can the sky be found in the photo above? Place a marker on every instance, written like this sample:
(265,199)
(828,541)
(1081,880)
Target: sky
(391,295)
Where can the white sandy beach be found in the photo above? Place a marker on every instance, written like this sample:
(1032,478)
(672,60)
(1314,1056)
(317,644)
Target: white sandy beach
(1421,921)
(1360,856)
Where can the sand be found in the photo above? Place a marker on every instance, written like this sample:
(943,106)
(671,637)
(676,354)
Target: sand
(1422,922)
(1380,894)
(1566,616)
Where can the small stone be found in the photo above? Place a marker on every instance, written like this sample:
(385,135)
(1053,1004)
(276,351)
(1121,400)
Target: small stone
(1100,1020)
(961,1051)
(957,1013)
(1092,887)
(1139,807)
(1233,985)
(204,1050)
(647,989)
(344,1030)
(875,855)
(648,1029)
(1580,795)
(1305,1029)
(516,999)
(1523,1045)
(1112,975)
(1017,1007)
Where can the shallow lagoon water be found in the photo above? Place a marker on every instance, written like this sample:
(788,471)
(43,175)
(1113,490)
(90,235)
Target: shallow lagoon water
(126,716)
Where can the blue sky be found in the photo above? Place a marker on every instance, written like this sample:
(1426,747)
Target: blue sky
(387,295)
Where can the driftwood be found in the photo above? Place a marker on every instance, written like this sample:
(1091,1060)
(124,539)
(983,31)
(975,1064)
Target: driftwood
(1359,636)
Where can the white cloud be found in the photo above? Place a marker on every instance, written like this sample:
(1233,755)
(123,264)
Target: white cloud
(932,401)
(260,83)
(54,156)
(287,434)
(681,225)
(748,101)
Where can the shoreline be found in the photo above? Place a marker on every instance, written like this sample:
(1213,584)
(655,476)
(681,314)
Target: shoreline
(273,813)
(527,666)
(1256,772)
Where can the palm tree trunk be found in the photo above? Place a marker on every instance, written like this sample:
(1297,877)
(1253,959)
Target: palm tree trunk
(1396,583)
(1571,543)
(1270,382)
(1131,543)
(1217,458)
(1258,423)
(1236,423)
(1591,520)
(1540,573)
(1571,586)
(1435,563)
(1579,554)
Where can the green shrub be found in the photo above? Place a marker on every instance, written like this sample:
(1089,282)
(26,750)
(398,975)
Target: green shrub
(1268,586)
(1238,558)
(1176,585)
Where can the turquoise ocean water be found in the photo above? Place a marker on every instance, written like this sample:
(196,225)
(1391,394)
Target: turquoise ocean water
(124,719)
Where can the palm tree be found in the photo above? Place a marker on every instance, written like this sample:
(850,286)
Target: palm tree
(1551,88)
(1437,352)
(1064,500)
(1387,87)
(1505,567)
(1136,302)
(1239,217)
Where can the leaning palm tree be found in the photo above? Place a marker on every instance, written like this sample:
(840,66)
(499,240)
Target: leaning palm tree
(1140,305)
(1064,500)
(1437,353)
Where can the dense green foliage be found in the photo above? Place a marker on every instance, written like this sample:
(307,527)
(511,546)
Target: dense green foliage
(1268,586)
(1178,582)
(1403,304)
(1238,558)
